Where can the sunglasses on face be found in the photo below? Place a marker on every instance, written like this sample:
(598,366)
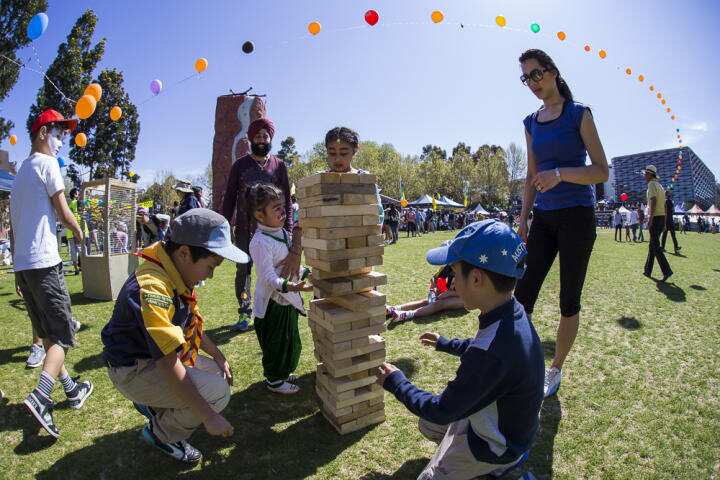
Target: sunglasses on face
(535,75)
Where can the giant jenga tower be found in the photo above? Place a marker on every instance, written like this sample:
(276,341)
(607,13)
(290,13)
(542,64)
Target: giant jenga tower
(342,240)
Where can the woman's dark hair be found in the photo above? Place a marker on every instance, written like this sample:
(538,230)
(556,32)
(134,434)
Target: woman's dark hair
(502,283)
(547,63)
(259,196)
(73,193)
(196,253)
(342,134)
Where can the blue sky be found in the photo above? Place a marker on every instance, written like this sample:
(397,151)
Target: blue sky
(406,81)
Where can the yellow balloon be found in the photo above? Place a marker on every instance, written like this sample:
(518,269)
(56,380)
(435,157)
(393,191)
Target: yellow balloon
(403,203)
(95,90)
(663,101)
(85,107)
(314,28)
(81,140)
(131,174)
(628,71)
(115,113)
(13,139)
(200,65)
(437,16)
(500,21)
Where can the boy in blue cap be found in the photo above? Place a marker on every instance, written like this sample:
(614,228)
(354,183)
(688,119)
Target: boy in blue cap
(485,419)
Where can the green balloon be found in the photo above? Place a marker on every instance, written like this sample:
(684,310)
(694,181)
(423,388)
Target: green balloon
(535,27)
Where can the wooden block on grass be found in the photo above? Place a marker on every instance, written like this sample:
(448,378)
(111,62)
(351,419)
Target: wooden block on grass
(328,351)
(342,384)
(331,312)
(373,240)
(356,242)
(332,222)
(347,366)
(320,200)
(320,244)
(358,199)
(358,302)
(342,211)
(322,275)
(342,232)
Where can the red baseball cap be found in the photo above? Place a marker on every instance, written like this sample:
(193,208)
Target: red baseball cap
(52,116)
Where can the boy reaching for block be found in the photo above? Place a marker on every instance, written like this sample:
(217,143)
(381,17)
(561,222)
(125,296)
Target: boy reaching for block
(485,419)
(153,338)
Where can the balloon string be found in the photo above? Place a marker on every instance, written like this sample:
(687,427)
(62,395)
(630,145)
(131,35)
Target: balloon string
(169,87)
(21,65)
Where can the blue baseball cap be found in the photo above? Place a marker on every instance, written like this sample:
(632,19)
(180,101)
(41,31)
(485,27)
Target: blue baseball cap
(201,227)
(490,245)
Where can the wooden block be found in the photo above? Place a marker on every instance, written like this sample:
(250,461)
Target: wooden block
(346,285)
(364,178)
(341,384)
(342,232)
(355,425)
(376,344)
(370,219)
(358,413)
(347,366)
(320,244)
(330,188)
(370,279)
(330,312)
(362,394)
(373,240)
(346,254)
(358,199)
(320,178)
(356,242)
(341,265)
(358,302)
(322,275)
(332,222)
(373,261)
(342,211)
(341,337)
(319,200)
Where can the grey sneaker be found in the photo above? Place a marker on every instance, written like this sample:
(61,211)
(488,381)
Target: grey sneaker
(76,325)
(181,450)
(82,391)
(36,357)
(553,376)
(41,409)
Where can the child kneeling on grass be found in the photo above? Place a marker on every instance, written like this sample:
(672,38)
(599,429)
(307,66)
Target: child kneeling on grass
(153,338)
(485,419)
(277,300)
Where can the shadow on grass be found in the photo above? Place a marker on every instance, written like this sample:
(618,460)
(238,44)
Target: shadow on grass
(698,287)
(15,417)
(77,299)
(548,347)
(91,362)
(541,455)
(10,355)
(629,323)
(408,471)
(671,291)
(407,365)
(676,254)
(18,304)
(223,334)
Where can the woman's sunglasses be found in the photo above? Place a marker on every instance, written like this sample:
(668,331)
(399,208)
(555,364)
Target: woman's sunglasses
(535,75)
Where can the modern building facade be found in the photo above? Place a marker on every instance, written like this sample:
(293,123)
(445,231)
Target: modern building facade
(695,183)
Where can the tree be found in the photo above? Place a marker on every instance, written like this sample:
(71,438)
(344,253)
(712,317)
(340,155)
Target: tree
(460,148)
(71,71)
(14,18)
(433,149)
(111,145)
(517,166)
(204,180)
(162,191)
(288,153)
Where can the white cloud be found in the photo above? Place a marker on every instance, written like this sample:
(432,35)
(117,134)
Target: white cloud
(697,126)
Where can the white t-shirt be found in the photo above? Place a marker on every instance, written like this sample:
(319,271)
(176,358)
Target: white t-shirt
(32,213)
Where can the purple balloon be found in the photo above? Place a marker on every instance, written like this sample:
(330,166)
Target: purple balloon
(156,86)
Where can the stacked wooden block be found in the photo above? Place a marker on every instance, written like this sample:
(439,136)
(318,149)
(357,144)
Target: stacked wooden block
(342,240)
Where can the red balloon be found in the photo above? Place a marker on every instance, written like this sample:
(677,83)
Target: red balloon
(624,197)
(371,17)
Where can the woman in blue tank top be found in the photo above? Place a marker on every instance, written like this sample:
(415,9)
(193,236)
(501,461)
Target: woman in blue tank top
(559,190)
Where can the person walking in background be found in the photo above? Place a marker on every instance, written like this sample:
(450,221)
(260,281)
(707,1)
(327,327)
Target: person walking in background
(634,224)
(656,223)
(641,222)
(617,223)
(685,223)
(670,223)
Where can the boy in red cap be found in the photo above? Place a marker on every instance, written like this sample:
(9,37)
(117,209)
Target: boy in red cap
(37,194)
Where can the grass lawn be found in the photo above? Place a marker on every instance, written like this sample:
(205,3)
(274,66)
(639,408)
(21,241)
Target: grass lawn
(640,396)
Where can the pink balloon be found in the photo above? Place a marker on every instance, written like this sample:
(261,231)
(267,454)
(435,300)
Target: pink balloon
(156,86)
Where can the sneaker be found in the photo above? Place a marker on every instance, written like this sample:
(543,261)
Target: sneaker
(41,409)
(36,357)
(285,388)
(501,472)
(665,277)
(144,410)
(181,450)
(76,325)
(292,378)
(243,325)
(80,393)
(553,376)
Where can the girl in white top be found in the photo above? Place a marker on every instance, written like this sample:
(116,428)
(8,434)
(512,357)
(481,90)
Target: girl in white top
(277,300)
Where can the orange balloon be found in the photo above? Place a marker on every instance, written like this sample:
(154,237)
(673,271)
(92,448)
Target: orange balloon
(587,48)
(314,28)
(13,139)
(602,53)
(81,140)
(659,95)
(641,78)
(437,16)
(500,21)
(85,107)
(628,71)
(201,64)
(95,90)
(115,113)
(562,36)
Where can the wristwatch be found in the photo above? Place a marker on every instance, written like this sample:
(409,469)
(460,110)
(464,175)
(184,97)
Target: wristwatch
(557,174)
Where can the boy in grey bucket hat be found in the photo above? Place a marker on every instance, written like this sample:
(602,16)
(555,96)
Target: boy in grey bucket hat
(153,340)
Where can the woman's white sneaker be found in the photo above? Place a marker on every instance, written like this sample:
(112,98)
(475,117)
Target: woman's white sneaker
(284,388)
(553,376)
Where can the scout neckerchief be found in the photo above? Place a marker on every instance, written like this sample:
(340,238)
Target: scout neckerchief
(281,240)
(194,332)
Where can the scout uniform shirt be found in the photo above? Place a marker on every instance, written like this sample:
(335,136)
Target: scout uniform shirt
(155,314)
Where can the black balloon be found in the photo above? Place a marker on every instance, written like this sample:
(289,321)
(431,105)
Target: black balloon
(248,47)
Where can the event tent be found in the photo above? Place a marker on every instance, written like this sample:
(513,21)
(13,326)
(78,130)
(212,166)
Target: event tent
(6,181)
(424,201)
(450,202)
(479,209)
